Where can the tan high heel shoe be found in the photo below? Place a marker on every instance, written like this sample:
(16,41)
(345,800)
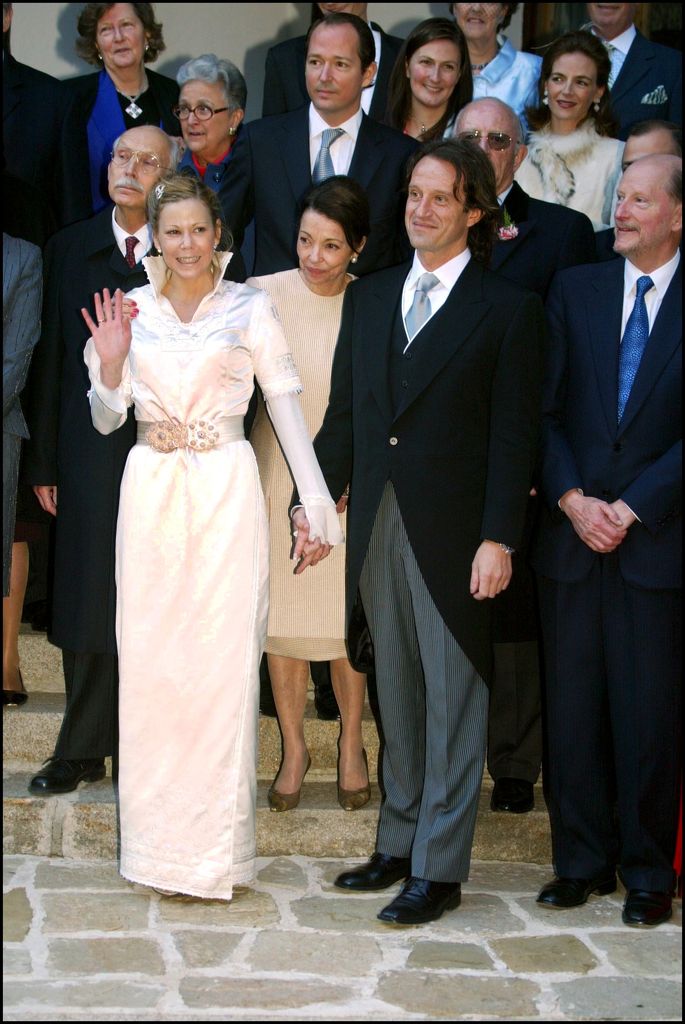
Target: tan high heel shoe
(353,799)
(286,801)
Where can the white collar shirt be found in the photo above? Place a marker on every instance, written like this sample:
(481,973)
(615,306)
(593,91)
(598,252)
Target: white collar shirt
(661,277)
(448,274)
(342,148)
(618,49)
(144,236)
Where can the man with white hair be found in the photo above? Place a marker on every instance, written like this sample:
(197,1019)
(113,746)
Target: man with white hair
(608,556)
(76,471)
(535,241)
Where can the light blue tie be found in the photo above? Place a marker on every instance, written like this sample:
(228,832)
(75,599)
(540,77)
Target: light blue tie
(421,306)
(635,339)
(617,59)
(323,165)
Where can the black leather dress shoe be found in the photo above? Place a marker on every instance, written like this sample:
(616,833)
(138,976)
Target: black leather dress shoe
(644,909)
(379,872)
(562,893)
(420,901)
(61,776)
(513,795)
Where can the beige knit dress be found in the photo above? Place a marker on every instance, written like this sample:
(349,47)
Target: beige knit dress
(307,612)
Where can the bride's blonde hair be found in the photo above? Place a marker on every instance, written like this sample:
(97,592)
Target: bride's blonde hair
(176,189)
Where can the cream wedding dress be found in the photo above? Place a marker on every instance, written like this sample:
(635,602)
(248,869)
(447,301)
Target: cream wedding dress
(192,577)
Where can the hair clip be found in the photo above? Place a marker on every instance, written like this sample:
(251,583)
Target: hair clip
(159,191)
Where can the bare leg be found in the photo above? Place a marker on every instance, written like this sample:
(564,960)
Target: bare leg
(289,678)
(12,606)
(349,688)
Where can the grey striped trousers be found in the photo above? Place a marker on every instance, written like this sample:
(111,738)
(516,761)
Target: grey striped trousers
(433,707)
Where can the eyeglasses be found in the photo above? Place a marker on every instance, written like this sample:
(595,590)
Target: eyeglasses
(149,163)
(495,140)
(202,111)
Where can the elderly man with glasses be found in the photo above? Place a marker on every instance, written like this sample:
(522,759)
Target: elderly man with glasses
(76,471)
(535,240)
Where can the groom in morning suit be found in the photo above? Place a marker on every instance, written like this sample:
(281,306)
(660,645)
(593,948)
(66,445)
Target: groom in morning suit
(608,556)
(276,159)
(432,420)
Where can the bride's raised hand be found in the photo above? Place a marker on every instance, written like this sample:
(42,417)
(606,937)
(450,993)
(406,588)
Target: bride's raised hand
(111,333)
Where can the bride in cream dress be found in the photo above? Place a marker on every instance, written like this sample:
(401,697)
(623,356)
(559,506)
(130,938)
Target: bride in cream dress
(192,543)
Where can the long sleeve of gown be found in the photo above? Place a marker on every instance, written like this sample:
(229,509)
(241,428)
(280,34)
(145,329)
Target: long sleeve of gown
(286,416)
(108,406)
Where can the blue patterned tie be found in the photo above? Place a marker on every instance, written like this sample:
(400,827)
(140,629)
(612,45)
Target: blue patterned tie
(323,165)
(635,339)
(421,306)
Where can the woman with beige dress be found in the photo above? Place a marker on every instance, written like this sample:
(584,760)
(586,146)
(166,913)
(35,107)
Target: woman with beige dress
(307,613)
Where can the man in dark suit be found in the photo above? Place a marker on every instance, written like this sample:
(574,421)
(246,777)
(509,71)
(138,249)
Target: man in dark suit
(31,120)
(276,159)
(536,240)
(646,78)
(432,420)
(76,471)
(608,555)
(647,138)
(285,87)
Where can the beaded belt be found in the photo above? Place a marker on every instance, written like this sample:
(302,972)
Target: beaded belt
(201,435)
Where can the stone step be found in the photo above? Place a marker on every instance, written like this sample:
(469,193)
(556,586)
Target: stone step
(30,733)
(41,662)
(83,825)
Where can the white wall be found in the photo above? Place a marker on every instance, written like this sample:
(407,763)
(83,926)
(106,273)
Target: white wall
(43,34)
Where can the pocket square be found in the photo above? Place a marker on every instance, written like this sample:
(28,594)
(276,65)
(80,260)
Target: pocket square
(658,95)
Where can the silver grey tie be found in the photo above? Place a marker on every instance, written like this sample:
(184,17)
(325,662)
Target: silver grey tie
(323,165)
(421,306)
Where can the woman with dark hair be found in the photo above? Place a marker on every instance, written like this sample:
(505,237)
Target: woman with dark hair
(307,613)
(192,542)
(498,69)
(572,158)
(429,85)
(119,39)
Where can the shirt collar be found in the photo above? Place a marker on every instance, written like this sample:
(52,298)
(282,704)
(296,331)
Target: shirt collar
(144,234)
(447,274)
(661,277)
(317,125)
(501,198)
(622,42)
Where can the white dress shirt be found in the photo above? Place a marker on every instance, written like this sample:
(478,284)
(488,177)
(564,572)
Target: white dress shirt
(144,236)
(367,94)
(618,49)
(661,277)
(342,148)
(448,274)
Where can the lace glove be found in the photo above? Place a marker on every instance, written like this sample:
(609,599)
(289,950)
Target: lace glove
(286,416)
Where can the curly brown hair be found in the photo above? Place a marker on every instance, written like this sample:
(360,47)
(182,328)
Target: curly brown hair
(474,186)
(399,89)
(590,46)
(87,25)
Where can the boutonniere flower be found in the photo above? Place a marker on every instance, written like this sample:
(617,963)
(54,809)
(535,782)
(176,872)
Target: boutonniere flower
(508,230)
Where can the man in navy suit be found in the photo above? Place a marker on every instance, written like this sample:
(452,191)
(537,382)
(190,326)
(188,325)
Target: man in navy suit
(608,555)
(433,421)
(646,78)
(276,158)
(285,86)
(537,240)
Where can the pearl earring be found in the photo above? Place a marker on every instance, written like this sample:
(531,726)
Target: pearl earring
(596,105)
(354,258)
(545,99)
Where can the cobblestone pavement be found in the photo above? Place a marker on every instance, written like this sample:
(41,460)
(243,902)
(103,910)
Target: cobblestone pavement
(83,944)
